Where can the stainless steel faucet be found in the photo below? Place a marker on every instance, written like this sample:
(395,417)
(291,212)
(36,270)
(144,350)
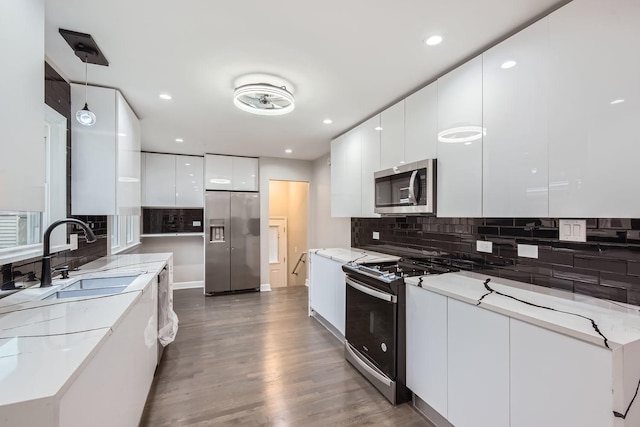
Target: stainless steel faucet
(45,277)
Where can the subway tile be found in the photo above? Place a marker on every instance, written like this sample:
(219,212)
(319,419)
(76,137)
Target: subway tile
(487,231)
(600,264)
(633,296)
(575,274)
(498,221)
(633,268)
(553,282)
(555,256)
(619,280)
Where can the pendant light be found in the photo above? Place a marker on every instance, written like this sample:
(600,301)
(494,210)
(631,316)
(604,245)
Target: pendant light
(85,116)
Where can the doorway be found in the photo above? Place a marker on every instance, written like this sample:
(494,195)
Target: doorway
(288,228)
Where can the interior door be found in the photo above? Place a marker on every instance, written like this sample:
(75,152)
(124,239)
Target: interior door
(278,252)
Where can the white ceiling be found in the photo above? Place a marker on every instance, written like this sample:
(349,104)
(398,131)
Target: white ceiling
(346,59)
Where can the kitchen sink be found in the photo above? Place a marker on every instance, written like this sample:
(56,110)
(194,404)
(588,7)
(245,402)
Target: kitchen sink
(101,282)
(73,293)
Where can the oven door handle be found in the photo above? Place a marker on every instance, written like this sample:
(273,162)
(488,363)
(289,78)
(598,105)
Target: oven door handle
(370,291)
(371,371)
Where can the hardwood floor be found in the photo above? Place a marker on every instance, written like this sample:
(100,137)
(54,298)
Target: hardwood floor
(257,360)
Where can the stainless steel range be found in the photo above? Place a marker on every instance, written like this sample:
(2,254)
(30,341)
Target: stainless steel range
(375,321)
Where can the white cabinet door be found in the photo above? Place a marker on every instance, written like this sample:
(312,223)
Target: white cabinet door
(94,153)
(427,347)
(129,178)
(244,174)
(346,175)
(392,136)
(323,297)
(341,294)
(459,180)
(218,172)
(593,142)
(557,380)
(370,163)
(515,116)
(421,124)
(478,371)
(189,179)
(160,180)
(22,163)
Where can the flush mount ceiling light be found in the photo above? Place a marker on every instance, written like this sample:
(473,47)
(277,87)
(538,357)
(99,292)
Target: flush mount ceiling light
(462,134)
(264,99)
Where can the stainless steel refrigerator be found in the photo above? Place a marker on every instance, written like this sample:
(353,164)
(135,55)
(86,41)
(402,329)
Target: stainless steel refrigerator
(232,241)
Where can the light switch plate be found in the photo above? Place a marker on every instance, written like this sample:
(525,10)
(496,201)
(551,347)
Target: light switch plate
(484,246)
(376,235)
(573,230)
(528,251)
(73,241)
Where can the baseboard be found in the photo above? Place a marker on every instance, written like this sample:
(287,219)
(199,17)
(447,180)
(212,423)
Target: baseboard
(265,287)
(433,416)
(188,285)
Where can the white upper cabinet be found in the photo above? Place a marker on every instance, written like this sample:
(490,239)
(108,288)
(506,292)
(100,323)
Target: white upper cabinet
(159,180)
(594,109)
(459,179)
(244,174)
(173,180)
(370,154)
(22,163)
(105,165)
(346,175)
(231,173)
(189,180)
(421,124)
(392,136)
(515,116)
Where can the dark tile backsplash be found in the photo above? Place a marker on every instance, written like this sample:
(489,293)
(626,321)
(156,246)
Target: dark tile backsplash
(606,266)
(57,95)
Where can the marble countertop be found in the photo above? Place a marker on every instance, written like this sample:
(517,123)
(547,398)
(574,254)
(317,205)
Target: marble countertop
(355,255)
(45,343)
(556,310)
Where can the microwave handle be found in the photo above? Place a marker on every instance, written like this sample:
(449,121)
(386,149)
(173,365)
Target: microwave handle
(412,187)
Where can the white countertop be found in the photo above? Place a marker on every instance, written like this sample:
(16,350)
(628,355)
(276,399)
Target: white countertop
(44,343)
(353,255)
(619,323)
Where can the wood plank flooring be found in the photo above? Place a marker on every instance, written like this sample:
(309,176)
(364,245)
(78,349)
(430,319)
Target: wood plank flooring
(257,360)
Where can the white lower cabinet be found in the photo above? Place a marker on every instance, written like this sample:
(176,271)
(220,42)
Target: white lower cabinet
(557,380)
(427,347)
(327,290)
(478,360)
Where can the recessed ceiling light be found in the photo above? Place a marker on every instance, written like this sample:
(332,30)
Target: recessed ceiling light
(187,164)
(378,128)
(179,140)
(616,101)
(288,151)
(508,64)
(433,40)
(165,96)
(327,121)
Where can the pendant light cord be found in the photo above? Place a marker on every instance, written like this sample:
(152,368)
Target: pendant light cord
(85,78)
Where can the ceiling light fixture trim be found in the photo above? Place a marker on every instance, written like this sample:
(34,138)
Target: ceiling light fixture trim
(264,99)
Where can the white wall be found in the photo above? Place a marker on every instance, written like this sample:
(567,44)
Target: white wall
(282,170)
(325,231)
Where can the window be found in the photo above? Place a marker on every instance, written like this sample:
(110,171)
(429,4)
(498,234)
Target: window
(125,232)
(21,232)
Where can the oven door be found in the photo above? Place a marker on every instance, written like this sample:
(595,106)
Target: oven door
(371,322)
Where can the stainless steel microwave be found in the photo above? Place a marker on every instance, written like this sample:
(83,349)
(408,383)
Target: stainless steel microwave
(407,189)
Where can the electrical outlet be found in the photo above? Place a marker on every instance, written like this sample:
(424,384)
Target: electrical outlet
(73,241)
(376,235)
(528,251)
(573,230)
(484,246)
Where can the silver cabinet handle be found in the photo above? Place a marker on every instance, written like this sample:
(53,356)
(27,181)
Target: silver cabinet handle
(374,373)
(370,291)
(412,187)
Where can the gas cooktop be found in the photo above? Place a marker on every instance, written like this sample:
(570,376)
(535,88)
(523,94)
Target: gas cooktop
(405,267)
